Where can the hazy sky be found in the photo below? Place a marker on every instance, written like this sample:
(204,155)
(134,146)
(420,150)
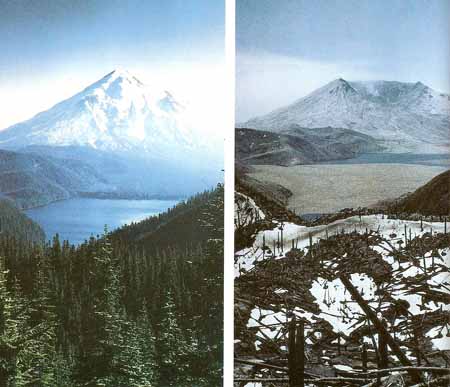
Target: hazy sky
(51,49)
(287,48)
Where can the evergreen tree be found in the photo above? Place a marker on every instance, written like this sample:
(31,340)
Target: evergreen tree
(173,348)
(12,324)
(27,339)
(146,361)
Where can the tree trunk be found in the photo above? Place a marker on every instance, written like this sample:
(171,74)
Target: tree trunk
(379,326)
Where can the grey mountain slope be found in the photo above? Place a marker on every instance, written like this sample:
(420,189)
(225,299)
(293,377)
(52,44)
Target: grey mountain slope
(298,145)
(406,116)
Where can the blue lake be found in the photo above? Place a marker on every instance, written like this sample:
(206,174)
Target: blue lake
(79,218)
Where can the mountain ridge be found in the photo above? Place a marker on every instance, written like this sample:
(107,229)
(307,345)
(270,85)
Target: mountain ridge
(32,180)
(298,145)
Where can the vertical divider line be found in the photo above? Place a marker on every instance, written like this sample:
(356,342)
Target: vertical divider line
(228,103)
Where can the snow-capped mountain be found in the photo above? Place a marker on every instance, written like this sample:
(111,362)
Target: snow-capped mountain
(405,116)
(116,113)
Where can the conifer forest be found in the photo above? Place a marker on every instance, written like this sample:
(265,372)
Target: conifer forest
(139,306)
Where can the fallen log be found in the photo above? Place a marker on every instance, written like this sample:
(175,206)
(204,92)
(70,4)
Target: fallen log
(376,382)
(379,326)
(261,365)
(442,381)
(312,381)
(271,366)
(439,370)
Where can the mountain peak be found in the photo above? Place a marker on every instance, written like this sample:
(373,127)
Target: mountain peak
(339,84)
(119,72)
(118,112)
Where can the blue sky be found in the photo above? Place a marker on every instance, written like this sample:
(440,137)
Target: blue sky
(287,48)
(52,49)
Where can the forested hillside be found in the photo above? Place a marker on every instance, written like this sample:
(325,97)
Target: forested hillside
(32,180)
(122,310)
(14,223)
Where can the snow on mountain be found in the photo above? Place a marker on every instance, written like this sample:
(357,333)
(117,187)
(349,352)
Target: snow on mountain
(405,116)
(116,113)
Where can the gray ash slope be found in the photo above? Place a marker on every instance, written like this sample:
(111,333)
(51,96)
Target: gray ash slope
(432,198)
(298,145)
(405,116)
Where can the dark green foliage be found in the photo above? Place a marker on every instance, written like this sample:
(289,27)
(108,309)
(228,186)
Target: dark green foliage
(27,335)
(14,223)
(122,310)
(32,180)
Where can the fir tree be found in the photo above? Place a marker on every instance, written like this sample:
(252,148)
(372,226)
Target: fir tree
(27,339)
(173,348)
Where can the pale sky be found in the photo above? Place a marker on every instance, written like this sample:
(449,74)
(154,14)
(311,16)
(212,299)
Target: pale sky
(288,48)
(50,50)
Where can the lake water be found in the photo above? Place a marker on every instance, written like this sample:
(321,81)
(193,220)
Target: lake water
(442,160)
(79,218)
